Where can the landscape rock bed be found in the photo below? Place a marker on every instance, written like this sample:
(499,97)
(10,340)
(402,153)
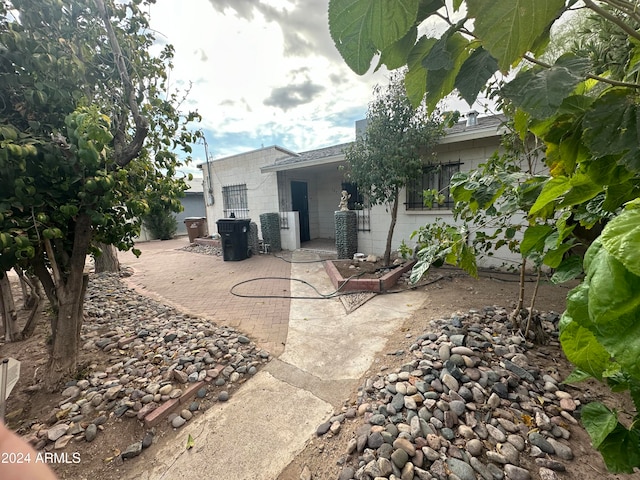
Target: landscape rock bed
(469,404)
(209,249)
(154,357)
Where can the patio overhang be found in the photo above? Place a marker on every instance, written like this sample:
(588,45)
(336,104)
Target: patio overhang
(318,162)
(473,134)
(322,157)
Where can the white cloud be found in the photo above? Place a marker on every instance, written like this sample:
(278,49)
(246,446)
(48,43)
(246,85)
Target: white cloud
(262,72)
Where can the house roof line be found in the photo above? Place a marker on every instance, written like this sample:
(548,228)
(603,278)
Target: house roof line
(488,127)
(275,167)
(462,132)
(319,156)
(286,151)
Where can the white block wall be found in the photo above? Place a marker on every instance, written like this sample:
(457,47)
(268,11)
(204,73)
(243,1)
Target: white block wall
(262,188)
(473,154)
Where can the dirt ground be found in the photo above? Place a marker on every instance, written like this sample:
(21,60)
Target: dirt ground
(449,291)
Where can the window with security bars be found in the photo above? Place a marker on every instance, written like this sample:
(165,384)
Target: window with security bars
(434,177)
(234,201)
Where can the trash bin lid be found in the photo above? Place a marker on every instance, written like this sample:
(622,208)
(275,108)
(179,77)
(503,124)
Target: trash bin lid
(233,220)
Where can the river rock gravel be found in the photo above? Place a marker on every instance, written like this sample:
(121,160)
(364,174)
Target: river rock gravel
(469,403)
(148,354)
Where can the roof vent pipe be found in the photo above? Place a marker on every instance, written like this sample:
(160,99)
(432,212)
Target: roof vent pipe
(472,118)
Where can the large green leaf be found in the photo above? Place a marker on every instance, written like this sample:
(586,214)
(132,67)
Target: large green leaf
(534,238)
(416,78)
(621,238)
(541,92)
(577,308)
(569,269)
(620,449)
(613,290)
(395,56)
(509,28)
(429,7)
(606,172)
(553,258)
(390,21)
(578,342)
(361,28)
(474,74)
(614,308)
(441,82)
(551,192)
(348,26)
(583,350)
(599,422)
(439,57)
(562,157)
(582,190)
(575,105)
(611,126)
(619,194)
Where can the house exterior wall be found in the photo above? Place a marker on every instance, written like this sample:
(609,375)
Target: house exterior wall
(269,189)
(470,154)
(324,185)
(328,199)
(262,189)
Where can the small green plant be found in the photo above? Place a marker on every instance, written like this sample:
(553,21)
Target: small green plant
(83,371)
(439,243)
(161,223)
(432,197)
(405,251)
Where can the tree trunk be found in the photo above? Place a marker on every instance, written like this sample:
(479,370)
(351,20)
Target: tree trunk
(392,226)
(66,292)
(30,289)
(29,286)
(108,260)
(515,314)
(63,359)
(7,308)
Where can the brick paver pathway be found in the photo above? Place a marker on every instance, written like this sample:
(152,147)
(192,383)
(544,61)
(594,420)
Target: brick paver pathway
(200,285)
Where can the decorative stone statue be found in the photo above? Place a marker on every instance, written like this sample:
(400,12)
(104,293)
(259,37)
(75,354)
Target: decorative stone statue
(344,201)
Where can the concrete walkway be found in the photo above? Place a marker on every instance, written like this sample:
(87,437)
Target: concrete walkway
(271,417)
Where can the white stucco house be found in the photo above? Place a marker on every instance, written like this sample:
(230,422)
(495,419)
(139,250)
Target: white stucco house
(305,187)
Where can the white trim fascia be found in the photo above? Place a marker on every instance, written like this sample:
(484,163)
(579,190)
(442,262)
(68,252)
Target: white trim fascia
(303,164)
(475,134)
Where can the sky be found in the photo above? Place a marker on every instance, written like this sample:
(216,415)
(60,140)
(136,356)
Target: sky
(262,73)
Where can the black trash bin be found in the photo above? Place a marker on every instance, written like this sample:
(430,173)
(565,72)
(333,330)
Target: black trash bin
(234,238)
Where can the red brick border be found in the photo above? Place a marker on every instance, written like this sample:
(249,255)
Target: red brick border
(156,416)
(381,284)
